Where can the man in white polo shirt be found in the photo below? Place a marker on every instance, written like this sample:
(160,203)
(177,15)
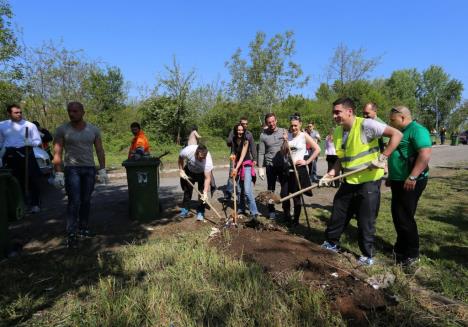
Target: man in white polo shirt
(197,169)
(17,139)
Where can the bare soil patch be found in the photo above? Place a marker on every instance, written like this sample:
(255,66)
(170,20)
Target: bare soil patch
(279,252)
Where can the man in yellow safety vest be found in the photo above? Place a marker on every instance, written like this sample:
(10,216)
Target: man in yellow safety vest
(357,146)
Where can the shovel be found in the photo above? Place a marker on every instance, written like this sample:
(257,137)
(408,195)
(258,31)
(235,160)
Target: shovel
(274,198)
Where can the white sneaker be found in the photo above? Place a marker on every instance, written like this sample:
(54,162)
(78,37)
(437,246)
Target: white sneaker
(366,261)
(35,209)
(200,217)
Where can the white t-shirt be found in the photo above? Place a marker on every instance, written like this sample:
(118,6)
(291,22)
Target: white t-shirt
(194,165)
(298,146)
(12,134)
(371,129)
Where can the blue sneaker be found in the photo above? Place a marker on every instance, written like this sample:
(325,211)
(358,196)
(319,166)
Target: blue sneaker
(330,246)
(365,261)
(200,217)
(184,213)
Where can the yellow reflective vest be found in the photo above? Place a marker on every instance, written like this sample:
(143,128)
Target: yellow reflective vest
(355,154)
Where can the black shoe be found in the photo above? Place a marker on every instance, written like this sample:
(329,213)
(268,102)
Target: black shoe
(85,233)
(227,196)
(254,218)
(72,242)
(398,257)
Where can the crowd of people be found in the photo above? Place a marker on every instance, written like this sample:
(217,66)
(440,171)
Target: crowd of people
(364,149)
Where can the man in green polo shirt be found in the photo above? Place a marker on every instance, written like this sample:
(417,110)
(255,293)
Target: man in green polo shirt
(407,173)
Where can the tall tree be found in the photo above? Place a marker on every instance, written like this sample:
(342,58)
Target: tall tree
(177,85)
(440,95)
(104,90)
(350,65)
(404,88)
(268,74)
(8,41)
(53,76)
(9,70)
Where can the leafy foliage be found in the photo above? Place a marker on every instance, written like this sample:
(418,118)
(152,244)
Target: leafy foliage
(8,41)
(268,75)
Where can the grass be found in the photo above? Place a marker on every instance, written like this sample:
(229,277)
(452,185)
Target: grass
(442,218)
(178,280)
(216,145)
(173,281)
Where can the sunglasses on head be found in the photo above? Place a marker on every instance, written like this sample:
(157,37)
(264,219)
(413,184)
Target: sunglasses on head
(395,110)
(294,117)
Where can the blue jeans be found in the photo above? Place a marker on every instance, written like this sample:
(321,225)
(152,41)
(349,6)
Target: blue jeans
(229,189)
(245,189)
(79,185)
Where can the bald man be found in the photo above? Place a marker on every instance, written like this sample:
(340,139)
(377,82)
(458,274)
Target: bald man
(370,112)
(407,174)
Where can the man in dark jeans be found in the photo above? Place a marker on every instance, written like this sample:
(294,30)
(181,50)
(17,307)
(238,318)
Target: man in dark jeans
(77,138)
(269,156)
(408,172)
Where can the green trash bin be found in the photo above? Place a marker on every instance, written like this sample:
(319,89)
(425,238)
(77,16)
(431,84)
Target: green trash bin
(12,207)
(143,188)
(454,139)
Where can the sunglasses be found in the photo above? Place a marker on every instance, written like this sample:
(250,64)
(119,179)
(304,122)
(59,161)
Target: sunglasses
(294,117)
(395,110)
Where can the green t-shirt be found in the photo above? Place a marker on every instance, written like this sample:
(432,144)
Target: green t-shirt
(415,138)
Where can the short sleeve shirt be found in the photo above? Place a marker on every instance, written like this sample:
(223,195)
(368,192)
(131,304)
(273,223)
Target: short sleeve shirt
(384,138)
(194,165)
(78,144)
(415,138)
(371,129)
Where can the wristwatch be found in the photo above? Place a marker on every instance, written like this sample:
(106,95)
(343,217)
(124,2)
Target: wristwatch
(412,178)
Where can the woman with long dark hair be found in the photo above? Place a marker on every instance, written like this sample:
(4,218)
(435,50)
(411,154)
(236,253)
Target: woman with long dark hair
(297,143)
(244,171)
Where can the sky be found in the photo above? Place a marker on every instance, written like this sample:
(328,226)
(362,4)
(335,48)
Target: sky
(141,37)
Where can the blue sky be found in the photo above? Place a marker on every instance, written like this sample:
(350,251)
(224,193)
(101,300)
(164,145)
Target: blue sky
(141,37)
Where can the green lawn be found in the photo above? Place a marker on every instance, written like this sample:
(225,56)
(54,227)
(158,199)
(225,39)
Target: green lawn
(180,280)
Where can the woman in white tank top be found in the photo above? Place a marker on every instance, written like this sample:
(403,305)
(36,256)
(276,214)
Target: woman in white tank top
(297,141)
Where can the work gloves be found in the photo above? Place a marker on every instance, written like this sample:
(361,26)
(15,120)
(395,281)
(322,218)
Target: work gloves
(182,174)
(326,180)
(59,180)
(102,176)
(261,173)
(379,163)
(204,197)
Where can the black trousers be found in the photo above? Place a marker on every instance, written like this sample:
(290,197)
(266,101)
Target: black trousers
(331,160)
(361,200)
(273,174)
(198,178)
(15,159)
(404,204)
(289,186)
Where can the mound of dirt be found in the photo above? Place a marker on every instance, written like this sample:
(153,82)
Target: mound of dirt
(279,252)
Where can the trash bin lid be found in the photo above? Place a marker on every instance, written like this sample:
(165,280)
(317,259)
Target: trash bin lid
(143,162)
